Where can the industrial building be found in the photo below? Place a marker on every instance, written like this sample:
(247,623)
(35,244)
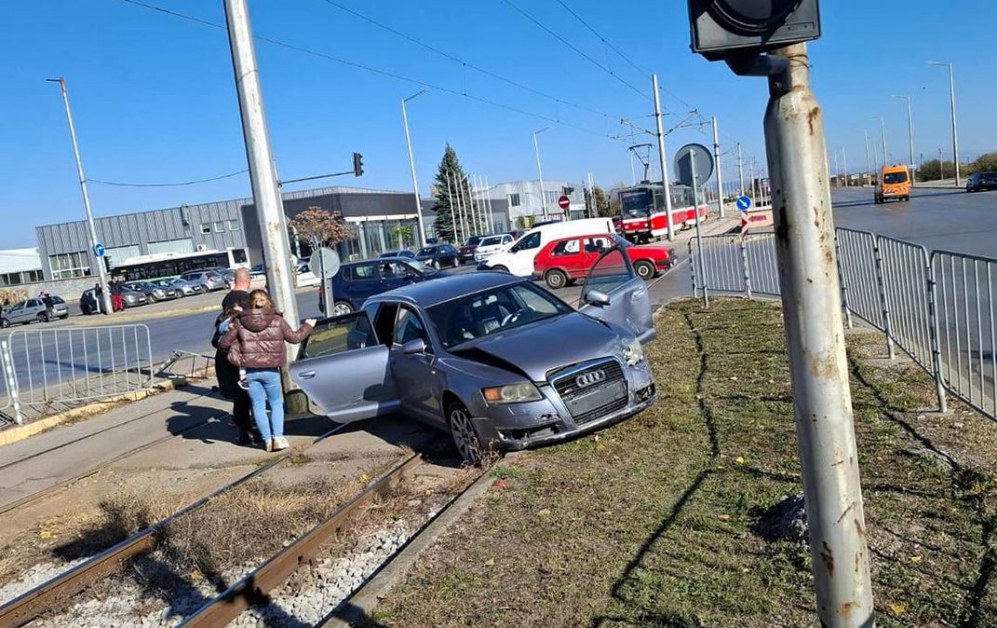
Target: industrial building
(524,201)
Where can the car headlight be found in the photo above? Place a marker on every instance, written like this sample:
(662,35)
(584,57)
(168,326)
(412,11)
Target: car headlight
(514,393)
(633,353)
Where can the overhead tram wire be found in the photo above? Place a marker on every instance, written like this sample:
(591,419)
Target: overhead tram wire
(464,63)
(373,70)
(167,185)
(641,70)
(578,50)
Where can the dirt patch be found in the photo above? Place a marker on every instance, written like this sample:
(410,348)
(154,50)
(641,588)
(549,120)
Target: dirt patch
(661,519)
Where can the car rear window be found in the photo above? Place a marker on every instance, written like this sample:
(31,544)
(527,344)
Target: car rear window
(895,177)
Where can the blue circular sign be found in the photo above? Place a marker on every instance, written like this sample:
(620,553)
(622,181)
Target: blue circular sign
(744,203)
(99,250)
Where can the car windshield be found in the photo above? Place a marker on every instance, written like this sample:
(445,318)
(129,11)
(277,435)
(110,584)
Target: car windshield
(473,241)
(425,269)
(895,177)
(429,250)
(492,311)
(492,241)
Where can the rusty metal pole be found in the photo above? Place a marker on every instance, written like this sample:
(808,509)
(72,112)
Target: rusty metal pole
(811,298)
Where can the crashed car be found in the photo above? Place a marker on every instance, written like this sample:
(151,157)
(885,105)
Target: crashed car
(493,359)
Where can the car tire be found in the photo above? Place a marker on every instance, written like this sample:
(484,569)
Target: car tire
(499,268)
(43,317)
(152,299)
(4,323)
(645,270)
(341,308)
(463,433)
(556,279)
(456,262)
(436,264)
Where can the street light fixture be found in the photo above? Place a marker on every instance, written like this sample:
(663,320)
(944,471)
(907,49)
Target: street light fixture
(910,125)
(411,160)
(955,132)
(536,148)
(97,261)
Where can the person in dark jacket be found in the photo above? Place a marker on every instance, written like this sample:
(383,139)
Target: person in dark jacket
(255,342)
(226,372)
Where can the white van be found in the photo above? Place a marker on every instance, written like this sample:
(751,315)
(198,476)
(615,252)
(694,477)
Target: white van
(518,259)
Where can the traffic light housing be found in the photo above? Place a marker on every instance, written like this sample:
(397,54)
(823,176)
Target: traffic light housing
(357,164)
(722,28)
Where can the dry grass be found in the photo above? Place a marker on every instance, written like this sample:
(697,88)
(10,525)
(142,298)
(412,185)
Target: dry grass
(662,519)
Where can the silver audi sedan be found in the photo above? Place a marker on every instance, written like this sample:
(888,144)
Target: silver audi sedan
(493,359)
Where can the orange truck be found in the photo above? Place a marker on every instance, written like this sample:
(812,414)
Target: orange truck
(893,183)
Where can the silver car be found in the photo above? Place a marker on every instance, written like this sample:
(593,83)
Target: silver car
(33,310)
(494,359)
(209,280)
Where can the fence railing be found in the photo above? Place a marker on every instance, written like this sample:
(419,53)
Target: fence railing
(937,308)
(72,365)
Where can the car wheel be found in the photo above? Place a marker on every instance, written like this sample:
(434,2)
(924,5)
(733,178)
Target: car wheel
(456,262)
(556,279)
(645,270)
(43,317)
(436,264)
(4,323)
(500,268)
(465,437)
(341,308)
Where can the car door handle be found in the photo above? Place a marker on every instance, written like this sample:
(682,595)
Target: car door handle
(638,295)
(307,375)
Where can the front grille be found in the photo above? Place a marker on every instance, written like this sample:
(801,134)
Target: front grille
(605,395)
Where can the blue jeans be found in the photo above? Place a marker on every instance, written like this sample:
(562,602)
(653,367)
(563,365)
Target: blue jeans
(265,387)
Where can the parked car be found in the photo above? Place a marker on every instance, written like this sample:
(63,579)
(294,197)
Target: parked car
(131,298)
(466,252)
(439,255)
(89,304)
(33,311)
(154,293)
(398,253)
(491,245)
(257,271)
(518,258)
(568,259)
(357,281)
(183,288)
(306,277)
(209,280)
(483,356)
(981,181)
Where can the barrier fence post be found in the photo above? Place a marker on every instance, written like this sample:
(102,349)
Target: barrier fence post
(841,275)
(884,302)
(747,269)
(692,272)
(11,378)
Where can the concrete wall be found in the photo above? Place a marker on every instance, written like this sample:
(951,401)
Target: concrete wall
(68,289)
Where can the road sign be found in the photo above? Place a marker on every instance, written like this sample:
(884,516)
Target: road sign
(564,202)
(744,203)
(99,250)
(703,166)
(328,263)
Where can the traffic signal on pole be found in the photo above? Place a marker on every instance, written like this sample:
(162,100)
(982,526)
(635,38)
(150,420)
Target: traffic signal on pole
(724,27)
(357,164)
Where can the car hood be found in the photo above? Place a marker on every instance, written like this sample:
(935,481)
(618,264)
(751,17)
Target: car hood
(535,349)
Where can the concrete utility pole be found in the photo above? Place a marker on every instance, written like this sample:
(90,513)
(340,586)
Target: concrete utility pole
(910,127)
(811,299)
(882,126)
(868,155)
(266,193)
(96,263)
(540,171)
(740,169)
(411,161)
(941,167)
(955,131)
(491,209)
(458,184)
(844,164)
(453,212)
(716,160)
(662,156)
(751,174)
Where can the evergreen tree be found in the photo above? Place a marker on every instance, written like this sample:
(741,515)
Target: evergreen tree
(451,183)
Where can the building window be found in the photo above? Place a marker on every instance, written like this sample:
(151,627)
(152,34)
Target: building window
(219,227)
(233,225)
(551,197)
(68,265)
(205,228)
(514,200)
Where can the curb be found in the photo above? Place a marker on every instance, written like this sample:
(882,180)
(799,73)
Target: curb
(85,321)
(15,434)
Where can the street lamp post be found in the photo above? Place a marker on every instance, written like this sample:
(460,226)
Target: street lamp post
(536,148)
(882,126)
(98,262)
(910,126)
(411,161)
(955,132)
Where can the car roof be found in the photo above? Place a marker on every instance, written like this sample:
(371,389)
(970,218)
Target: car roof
(436,291)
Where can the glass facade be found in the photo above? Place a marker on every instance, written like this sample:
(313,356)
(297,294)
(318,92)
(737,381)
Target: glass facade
(69,265)
(16,279)
(373,237)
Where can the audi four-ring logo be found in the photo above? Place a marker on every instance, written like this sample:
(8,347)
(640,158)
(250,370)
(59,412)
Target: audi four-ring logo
(588,379)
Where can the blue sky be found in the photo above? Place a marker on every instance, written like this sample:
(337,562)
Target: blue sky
(154,99)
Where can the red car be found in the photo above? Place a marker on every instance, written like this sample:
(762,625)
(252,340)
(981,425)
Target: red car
(567,259)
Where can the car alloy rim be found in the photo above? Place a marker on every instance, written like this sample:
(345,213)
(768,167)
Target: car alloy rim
(341,308)
(463,434)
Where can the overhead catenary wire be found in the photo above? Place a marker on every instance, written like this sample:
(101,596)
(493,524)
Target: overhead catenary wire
(575,48)
(462,62)
(168,185)
(373,70)
(642,71)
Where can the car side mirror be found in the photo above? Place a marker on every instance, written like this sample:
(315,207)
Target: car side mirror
(594,297)
(414,346)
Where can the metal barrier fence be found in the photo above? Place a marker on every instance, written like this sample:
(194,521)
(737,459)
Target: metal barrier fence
(9,399)
(78,364)
(939,309)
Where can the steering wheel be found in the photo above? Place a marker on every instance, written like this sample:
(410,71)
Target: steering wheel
(511,318)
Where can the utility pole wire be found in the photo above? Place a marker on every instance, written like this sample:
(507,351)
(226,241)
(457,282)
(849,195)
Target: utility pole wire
(168,185)
(603,39)
(575,48)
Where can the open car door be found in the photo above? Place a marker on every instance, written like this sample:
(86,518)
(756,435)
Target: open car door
(344,369)
(614,293)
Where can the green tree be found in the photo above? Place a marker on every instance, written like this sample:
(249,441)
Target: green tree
(602,205)
(985,162)
(929,170)
(450,183)
(403,235)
